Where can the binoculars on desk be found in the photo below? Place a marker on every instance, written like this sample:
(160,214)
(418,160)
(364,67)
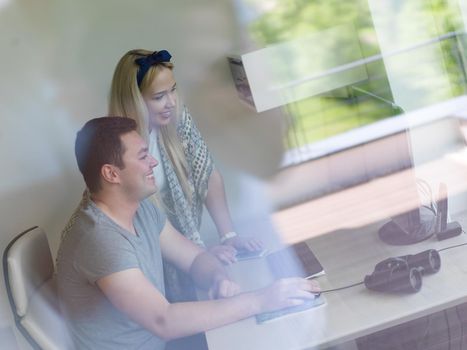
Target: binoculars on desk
(403,274)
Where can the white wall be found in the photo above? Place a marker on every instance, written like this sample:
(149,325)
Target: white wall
(57,61)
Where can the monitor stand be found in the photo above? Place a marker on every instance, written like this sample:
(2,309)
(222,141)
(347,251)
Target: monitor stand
(409,228)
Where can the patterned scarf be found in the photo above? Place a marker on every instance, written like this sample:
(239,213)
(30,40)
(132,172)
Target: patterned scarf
(186,216)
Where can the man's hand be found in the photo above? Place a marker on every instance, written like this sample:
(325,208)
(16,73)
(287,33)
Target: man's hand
(223,288)
(244,243)
(287,292)
(225,253)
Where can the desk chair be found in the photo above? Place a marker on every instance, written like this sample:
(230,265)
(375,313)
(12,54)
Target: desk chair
(28,270)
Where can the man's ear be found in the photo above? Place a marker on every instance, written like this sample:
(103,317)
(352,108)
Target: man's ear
(110,174)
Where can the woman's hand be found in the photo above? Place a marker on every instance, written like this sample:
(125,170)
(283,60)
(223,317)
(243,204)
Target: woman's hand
(244,243)
(225,253)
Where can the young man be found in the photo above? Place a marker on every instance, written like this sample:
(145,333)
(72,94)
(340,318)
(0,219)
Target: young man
(110,277)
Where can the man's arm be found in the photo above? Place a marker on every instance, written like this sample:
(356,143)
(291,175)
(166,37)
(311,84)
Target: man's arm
(130,292)
(206,271)
(134,295)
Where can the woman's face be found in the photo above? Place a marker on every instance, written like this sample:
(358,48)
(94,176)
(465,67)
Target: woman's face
(161,98)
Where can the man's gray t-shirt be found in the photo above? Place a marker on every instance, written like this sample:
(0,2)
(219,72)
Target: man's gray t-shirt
(96,247)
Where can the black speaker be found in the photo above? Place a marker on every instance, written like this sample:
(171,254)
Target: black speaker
(394,276)
(427,262)
(403,274)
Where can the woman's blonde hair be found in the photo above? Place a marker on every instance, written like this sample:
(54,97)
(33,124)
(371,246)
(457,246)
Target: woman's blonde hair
(126,99)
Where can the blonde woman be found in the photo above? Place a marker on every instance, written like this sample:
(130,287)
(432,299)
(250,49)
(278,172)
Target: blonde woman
(144,88)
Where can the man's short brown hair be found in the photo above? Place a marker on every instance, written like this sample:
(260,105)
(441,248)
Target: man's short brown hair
(98,143)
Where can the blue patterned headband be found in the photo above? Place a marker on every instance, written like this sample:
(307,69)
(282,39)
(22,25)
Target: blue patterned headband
(146,62)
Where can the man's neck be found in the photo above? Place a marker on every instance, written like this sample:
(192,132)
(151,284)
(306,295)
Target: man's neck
(120,210)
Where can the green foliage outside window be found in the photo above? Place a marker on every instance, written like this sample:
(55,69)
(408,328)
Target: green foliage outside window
(334,112)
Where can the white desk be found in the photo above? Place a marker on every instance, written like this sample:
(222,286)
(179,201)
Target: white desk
(347,256)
